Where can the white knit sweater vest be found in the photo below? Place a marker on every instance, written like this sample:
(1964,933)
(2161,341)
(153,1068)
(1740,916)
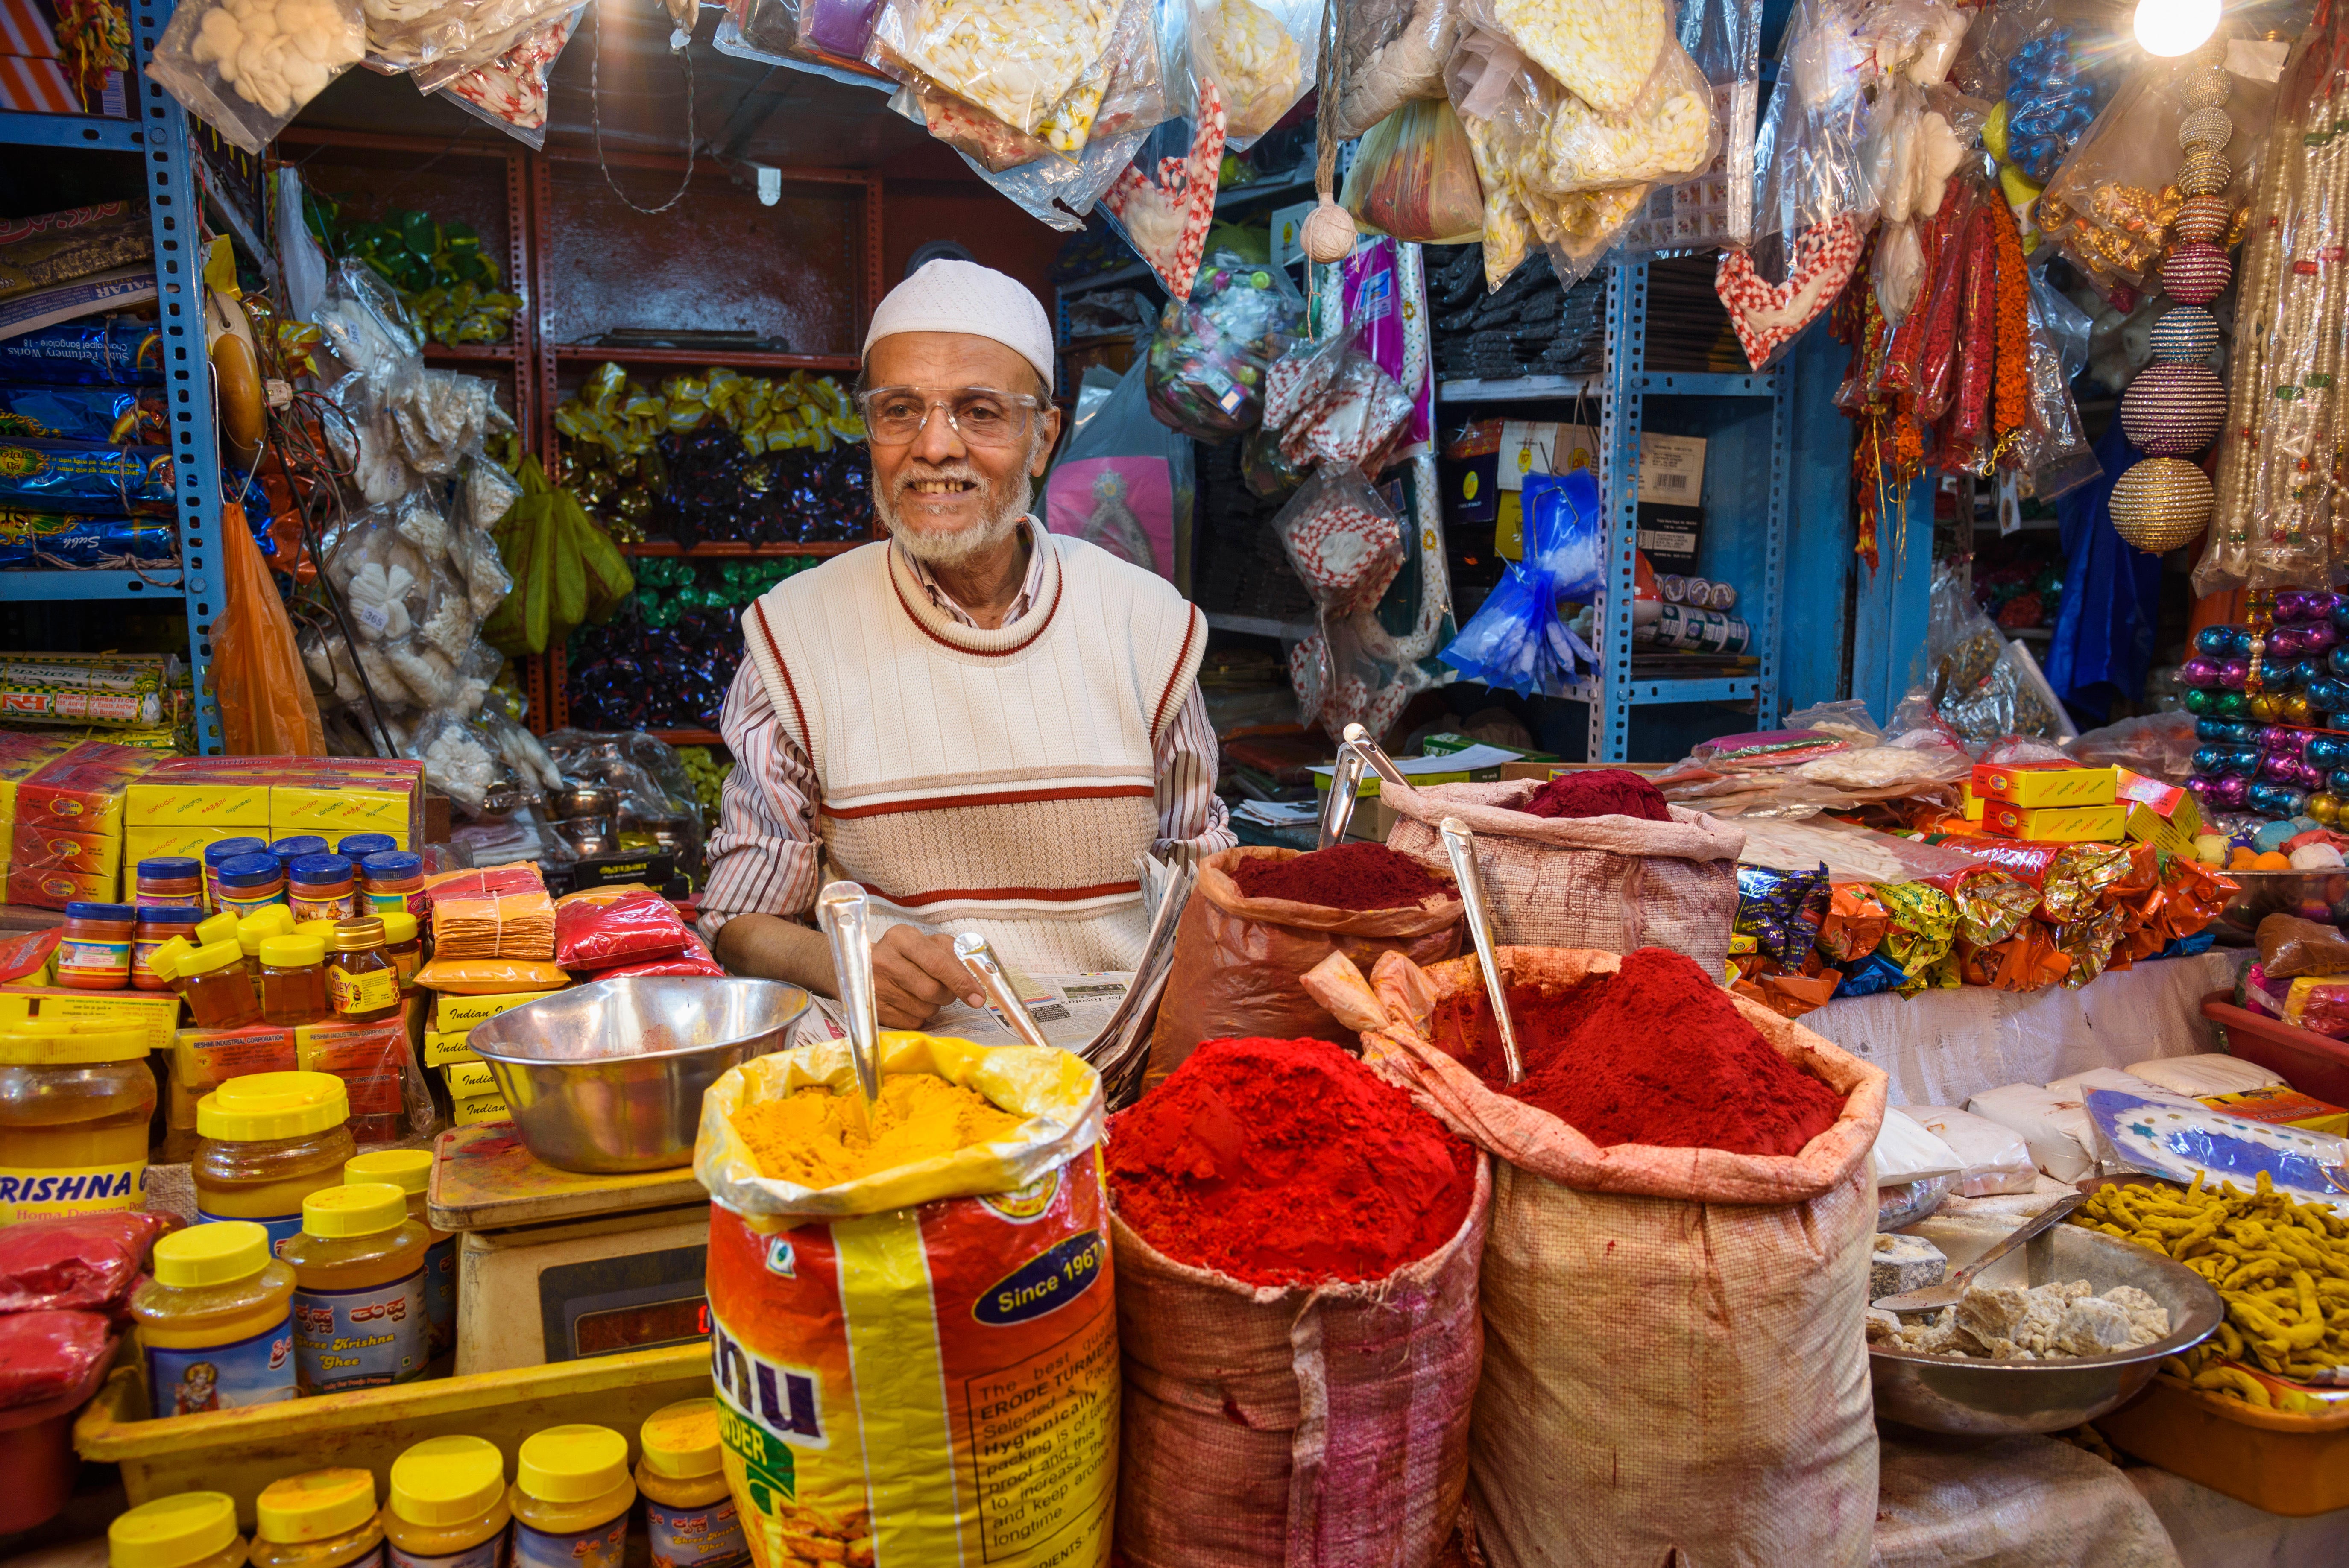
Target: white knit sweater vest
(998,781)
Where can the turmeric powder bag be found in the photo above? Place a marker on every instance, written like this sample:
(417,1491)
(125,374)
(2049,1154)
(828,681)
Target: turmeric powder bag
(1613,883)
(915,1362)
(1237,959)
(1675,1362)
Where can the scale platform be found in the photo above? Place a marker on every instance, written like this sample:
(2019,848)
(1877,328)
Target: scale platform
(610,1263)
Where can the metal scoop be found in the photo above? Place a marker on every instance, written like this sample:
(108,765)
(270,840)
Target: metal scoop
(979,959)
(1934,1297)
(1374,754)
(1355,749)
(1460,846)
(841,912)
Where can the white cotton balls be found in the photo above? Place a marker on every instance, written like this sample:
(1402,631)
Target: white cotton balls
(278,54)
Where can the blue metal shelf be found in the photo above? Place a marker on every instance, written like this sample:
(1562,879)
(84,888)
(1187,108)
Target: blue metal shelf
(1706,384)
(1701,688)
(1654,383)
(158,129)
(24,586)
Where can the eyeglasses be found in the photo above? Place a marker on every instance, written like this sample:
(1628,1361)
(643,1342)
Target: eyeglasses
(980,416)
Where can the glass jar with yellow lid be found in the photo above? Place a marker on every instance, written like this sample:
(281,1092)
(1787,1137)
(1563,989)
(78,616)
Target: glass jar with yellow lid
(74,1102)
(267,1141)
(690,1516)
(321,1518)
(448,1505)
(216,1321)
(271,920)
(410,1170)
(358,1289)
(571,1498)
(187,1530)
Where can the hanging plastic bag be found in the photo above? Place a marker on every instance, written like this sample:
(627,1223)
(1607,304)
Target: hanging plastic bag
(508,90)
(265,706)
(1341,540)
(1016,59)
(246,68)
(1208,363)
(1165,215)
(1383,286)
(1601,51)
(1393,54)
(1125,483)
(1260,58)
(1414,177)
(1517,639)
(1808,155)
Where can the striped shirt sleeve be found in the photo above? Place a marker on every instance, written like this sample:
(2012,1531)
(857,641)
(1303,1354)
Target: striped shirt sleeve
(762,859)
(1193,820)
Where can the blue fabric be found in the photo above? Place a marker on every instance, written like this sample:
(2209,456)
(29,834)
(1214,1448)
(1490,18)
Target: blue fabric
(2111,594)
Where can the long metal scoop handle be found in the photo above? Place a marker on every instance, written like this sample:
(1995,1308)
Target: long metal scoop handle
(2046,1219)
(1374,754)
(840,910)
(1460,847)
(1337,811)
(979,959)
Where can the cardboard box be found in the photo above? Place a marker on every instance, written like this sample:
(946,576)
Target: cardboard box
(38,846)
(1670,535)
(153,843)
(2163,815)
(162,800)
(2282,1108)
(458,1014)
(2043,783)
(54,887)
(202,1060)
(1971,801)
(481,1108)
(467,1080)
(157,1012)
(367,1058)
(2056,824)
(83,790)
(29,957)
(447,1048)
(335,809)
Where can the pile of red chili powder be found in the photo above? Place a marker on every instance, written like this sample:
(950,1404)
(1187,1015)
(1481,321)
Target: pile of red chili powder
(1287,1163)
(1601,792)
(1344,876)
(1654,1053)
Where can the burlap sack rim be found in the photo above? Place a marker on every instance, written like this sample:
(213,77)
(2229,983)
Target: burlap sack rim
(1533,1140)
(1220,889)
(1420,1271)
(1488,808)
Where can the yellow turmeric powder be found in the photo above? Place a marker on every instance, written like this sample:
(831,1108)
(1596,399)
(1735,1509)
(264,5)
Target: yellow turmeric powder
(812,1138)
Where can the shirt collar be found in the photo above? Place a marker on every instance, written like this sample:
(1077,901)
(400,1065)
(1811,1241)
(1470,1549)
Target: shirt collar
(1029,587)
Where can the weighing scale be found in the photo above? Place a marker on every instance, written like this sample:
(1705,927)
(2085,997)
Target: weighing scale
(557,1265)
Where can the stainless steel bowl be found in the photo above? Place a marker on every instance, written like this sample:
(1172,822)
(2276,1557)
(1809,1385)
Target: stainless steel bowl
(2322,896)
(584,801)
(608,1078)
(2002,1398)
(586,835)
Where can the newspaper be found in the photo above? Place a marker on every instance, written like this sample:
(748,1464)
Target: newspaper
(1071,1009)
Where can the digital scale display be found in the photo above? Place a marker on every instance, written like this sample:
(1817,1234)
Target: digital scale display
(639,1301)
(645,1327)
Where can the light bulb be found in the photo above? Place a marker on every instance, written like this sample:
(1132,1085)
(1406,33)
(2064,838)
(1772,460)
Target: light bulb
(2173,27)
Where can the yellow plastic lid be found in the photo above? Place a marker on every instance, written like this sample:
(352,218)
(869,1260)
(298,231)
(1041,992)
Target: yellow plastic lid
(220,927)
(324,930)
(33,1044)
(291,952)
(315,1506)
(261,1106)
(448,1481)
(358,1209)
(172,1532)
(212,1253)
(572,1464)
(270,920)
(211,956)
(407,1168)
(680,1441)
(399,926)
(165,960)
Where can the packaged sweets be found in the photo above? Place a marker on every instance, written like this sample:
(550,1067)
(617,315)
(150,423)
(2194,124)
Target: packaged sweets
(118,416)
(117,351)
(133,481)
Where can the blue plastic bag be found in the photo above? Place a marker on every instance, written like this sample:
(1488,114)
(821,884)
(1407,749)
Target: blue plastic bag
(1517,640)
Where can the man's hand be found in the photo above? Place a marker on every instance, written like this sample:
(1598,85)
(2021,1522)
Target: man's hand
(914,974)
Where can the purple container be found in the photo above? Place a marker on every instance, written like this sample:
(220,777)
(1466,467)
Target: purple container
(838,27)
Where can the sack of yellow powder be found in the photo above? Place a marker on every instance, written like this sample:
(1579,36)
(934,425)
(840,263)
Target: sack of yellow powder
(913,1330)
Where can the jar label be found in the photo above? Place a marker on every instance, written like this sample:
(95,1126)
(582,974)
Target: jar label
(37,1193)
(281,1228)
(390,902)
(359,1338)
(490,1554)
(601,1547)
(362,993)
(441,1294)
(242,902)
(142,963)
(151,899)
(342,906)
(709,1536)
(90,953)
(190,1381)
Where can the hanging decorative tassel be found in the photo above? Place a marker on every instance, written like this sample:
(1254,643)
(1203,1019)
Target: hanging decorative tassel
(1327,235)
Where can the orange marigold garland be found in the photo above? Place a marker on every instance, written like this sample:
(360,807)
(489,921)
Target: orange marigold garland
(2012,409)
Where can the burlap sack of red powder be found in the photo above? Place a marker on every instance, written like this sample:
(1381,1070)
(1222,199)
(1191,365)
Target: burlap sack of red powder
(1238,960)
(1676,1360)
(1337,1416)
(1613,883)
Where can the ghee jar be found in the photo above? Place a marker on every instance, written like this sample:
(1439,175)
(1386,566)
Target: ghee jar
(448,1505)
(411,1169)
(358,1290)
(323,1519)
(267,1141)
(74,1102)
(571,1498)
(188,1530)
(690,1516)
(216,1321)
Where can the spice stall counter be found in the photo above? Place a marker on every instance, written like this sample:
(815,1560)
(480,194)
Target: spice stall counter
(1940,1047)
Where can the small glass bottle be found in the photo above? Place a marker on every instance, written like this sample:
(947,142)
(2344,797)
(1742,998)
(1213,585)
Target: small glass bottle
(185,1529)
(177,880)
(361,981)
(393,880)
(294,982)
(322,887)
(404,946)
(94,948)
(218,854)
(243,884)
(212,982)
(158,923)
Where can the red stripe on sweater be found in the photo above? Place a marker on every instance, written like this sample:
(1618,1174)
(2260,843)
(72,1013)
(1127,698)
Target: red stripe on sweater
(1004,894)
(807,735)
(1158,716)
(1059,582)
(1008,798)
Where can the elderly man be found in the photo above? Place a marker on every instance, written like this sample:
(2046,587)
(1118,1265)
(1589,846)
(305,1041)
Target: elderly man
(980,722)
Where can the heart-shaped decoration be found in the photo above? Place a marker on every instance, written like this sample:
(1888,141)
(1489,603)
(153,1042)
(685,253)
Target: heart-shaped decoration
(1766,317)
(1166,219)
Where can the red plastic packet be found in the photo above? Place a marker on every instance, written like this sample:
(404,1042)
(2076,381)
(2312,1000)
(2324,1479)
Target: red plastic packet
(593,932)
(77,1261)
(23,954)
(693,959)
(46,1355)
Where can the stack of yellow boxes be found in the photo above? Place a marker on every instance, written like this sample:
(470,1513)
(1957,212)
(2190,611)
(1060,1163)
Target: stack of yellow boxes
(66,820)
(187,804)
(473,1094)
(2070,803)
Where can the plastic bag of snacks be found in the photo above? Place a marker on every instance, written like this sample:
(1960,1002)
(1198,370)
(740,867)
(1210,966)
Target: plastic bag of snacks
(509,90)
(247,66)
(1261,57)
(1414,177)
(1394,52)
(1208,362)
(1601,51)
(904,1345)
(1017,59)
(1340,540)
(600,927)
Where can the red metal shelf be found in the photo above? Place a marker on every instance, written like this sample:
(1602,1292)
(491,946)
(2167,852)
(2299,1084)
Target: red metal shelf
(730,549)
(739,359)
(469,351)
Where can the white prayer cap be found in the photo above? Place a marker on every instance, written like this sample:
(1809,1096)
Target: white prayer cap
(963,296)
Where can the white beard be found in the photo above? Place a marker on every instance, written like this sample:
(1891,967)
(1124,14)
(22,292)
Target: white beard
(959,548)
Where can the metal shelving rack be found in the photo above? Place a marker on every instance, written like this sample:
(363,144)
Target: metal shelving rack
(157,129)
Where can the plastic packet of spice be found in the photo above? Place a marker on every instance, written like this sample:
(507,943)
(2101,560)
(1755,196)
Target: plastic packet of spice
(1854,924)
(48,1355)
(1924,922)
(1781,910)
(389,1098)
(88,1261)
(604,926)
(693,958)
